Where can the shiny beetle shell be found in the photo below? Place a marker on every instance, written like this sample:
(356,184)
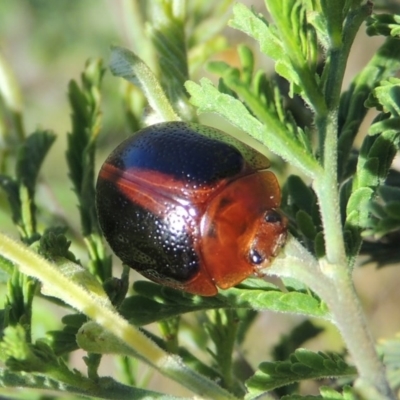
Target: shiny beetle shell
(190,207)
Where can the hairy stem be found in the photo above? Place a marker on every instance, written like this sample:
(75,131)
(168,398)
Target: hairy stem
(350,320)
(333,284)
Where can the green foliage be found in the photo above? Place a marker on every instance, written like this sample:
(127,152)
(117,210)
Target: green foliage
(54,244)
(18,302)
(128,65)
(384,24)
(290,42)
(384,214)
(280,141)
(64,342)
(302,364)
(352,110)
(257,90)
(20,189)
(153,302)
(85,105)
(376,156)
(30,158)
(340,199)
(222,326)
(86,120)
(21,355)
(39,358)
(302,207)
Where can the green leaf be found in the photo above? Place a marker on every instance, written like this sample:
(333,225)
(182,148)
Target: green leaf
(379,154)
(257,27)
(18,301)
(384,63)
(300,205)
(384,219)
(382,123)
(303,364)
(299,41)
(306,224)
(357,207)
(386,97)
(20,355)
(334,14)
(153,302)
(64,341)
(54,244)
(273,134)
(302,196)
(103,388)
(376,156)
(30,157)
(129,66)
(92,362)
(263,96)
(318,21)
(222,326)
(290,42)
(384,24)
(86,117)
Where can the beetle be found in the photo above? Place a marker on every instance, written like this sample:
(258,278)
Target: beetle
(190,207)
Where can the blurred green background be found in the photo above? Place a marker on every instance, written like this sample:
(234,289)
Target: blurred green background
(46,44)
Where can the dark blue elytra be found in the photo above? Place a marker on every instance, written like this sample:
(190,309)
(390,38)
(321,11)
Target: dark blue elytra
(176,149)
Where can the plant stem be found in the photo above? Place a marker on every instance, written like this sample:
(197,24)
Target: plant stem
(128,65)
(333,284)
(350,320)
(337,288)
(339,293)
(326,188)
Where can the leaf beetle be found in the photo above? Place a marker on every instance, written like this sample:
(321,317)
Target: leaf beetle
(190,207)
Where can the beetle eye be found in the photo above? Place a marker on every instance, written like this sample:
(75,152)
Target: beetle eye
(255,257)
(273,217)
